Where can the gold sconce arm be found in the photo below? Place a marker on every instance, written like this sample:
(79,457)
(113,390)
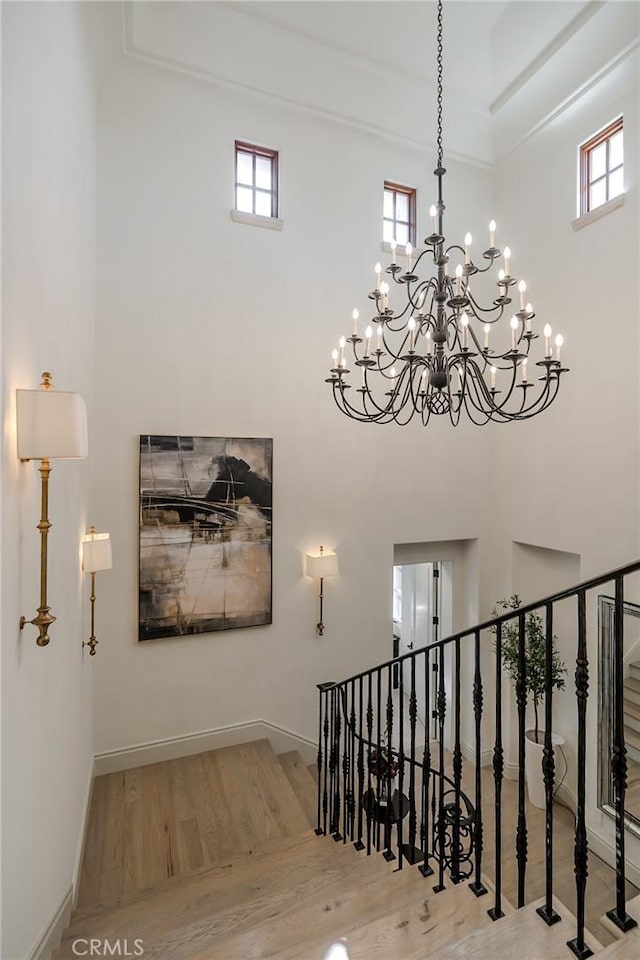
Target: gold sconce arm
(96,555)
(44,617)
(92,643)
(320,624)
(321,565)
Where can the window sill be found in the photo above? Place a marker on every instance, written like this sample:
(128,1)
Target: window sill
(253,220)
(599,212)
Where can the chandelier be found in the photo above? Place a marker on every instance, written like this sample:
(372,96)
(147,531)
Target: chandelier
(442,352)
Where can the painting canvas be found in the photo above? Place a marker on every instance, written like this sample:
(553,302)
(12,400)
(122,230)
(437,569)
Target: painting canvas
(205,534)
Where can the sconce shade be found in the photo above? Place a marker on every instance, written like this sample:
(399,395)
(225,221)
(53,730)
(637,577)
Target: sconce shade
(96,552)
(51,425)
(322,565)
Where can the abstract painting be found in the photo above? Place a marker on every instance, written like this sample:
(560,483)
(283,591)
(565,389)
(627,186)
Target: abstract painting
(205,534)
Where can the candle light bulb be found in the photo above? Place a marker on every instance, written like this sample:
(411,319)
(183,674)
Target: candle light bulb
(393,377)
(421,297)
(514,328)
(507,257)
(522,287)
(559,342)
(380,332)
(408,250)
(524,370)
(529,310)
(458,279)
(467,243)
(378,271)
(547,339)
(429,341)
(501,275)
(384,290)
(355,316)
(433,213)
(487,331)
(423,379)
(342,343)
(368,334)
(334,357)
(393,251)
(464,322)
(494,370)
(492,233)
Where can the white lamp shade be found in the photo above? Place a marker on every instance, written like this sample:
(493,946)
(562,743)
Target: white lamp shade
(51,424)
(96,552)
(322,565)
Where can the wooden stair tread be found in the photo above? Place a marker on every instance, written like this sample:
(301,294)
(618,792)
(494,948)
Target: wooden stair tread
(632,709)
(632,736)
(627,948)
(424,920)
(214,916)
(302,783)
(154,822)
(632,684)
(522,935)
(295,932)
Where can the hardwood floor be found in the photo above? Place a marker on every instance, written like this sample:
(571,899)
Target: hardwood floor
(212,856)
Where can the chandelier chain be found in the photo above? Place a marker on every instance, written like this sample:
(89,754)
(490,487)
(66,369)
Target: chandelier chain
(439,83)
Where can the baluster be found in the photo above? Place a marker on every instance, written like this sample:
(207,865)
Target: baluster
(346,763)
(521,699)
(546,911)
(457,769)
(441,708)
(388,854)
(337,738)
(425,869)
(400,759)
(332,761)
(580,855)
(352,761)
(369,743)
(619,914)
(325,731)
(498,772)
(477,886)
(319,758)
(378,817)
(359,845)
(411,852)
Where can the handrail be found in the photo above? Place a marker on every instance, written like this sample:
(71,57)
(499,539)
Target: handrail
(359,801)
(583,587)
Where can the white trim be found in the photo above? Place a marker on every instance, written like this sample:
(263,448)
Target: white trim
(254,220)
(52,935)
(599,212)
(606,851)
(82,836)
(469,753)
(155,751)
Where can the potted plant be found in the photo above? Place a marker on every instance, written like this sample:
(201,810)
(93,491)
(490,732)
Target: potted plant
(535,653)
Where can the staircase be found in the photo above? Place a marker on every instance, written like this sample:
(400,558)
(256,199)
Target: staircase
(281,891)
(632,712)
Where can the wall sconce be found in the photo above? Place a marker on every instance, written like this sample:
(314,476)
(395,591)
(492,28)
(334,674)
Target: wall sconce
(96,555)
(321,565)
(51,425)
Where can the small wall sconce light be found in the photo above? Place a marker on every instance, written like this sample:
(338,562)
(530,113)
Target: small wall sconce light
(321,565)
(96,555)
(51,425)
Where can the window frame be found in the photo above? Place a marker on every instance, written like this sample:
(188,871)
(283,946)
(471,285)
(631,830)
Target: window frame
(242,146)
(411,194)
(586,149)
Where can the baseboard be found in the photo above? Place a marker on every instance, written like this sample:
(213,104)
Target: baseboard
(469,753)
(171,748)
(52,936)
(83,830)
(606,851)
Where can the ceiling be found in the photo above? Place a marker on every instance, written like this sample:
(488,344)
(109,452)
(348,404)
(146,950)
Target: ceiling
(509,65)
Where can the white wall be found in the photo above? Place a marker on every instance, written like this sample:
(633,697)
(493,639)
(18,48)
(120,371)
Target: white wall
(48,240)
(569,479)
(210,327)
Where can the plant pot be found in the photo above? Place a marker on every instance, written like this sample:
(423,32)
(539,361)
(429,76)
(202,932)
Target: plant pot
(533,765)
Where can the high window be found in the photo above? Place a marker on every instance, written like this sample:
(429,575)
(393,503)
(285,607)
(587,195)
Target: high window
(601,168)
(256,180)
(399,213)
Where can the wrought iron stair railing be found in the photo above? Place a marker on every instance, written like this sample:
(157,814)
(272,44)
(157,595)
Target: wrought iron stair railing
(371,734)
